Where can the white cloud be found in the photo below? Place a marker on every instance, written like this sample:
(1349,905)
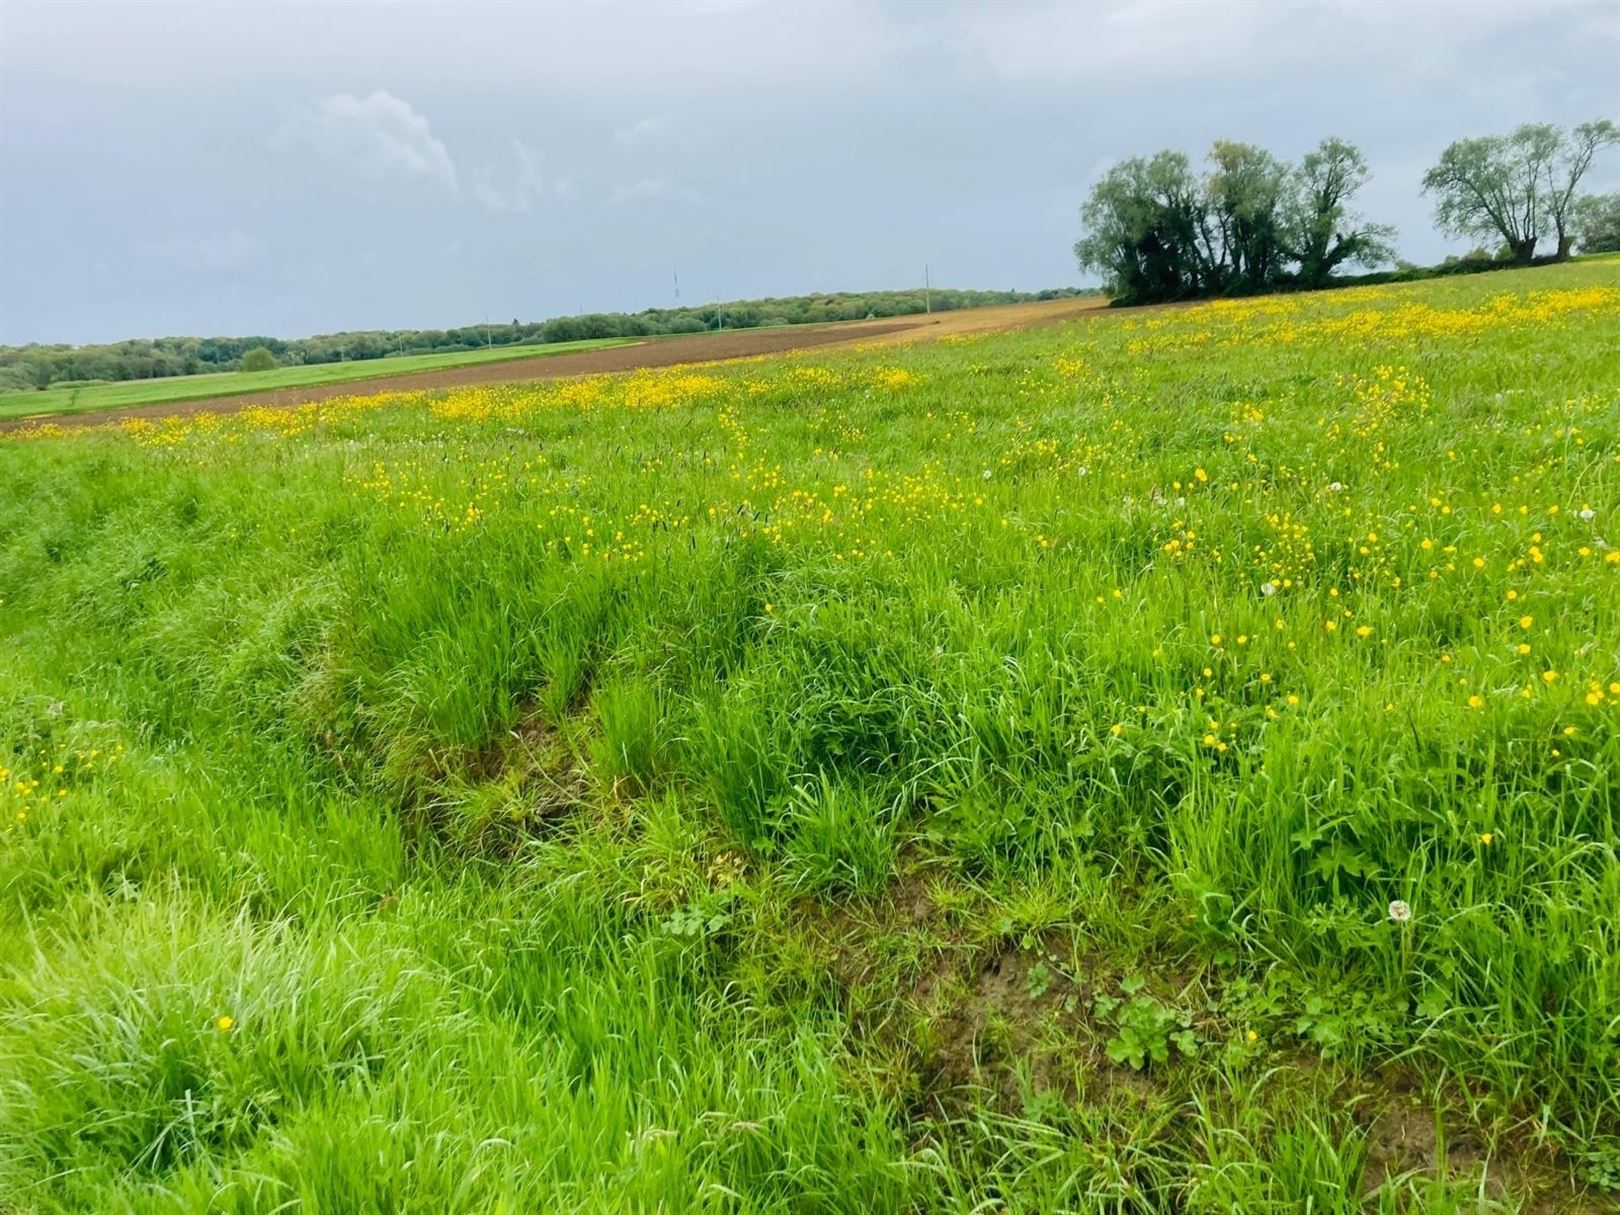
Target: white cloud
(378,135)
(222,254)
(655,189)
(644,129)
(525,188)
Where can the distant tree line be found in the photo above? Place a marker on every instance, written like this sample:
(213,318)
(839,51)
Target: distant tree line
(41,366)
(1157,229)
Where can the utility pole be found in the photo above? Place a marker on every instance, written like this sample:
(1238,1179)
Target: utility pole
(928,291)
(677,287)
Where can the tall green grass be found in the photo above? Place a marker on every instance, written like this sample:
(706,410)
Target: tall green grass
(895,781)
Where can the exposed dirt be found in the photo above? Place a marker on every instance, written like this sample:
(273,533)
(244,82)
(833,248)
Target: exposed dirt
(1027,1017)
(954,1024)
(1409,1137)
(963,1020)
(660,352)
(1006,318)
(519,786)
(852,934)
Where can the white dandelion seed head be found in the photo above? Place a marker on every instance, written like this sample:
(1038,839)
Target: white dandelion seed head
(1586,514)
(987,474)
(1268,588)
(1400,911)
(1336,487)
(1082,470)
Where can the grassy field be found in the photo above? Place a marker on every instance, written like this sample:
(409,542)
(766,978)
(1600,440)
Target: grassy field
(1157,764)
(230,383)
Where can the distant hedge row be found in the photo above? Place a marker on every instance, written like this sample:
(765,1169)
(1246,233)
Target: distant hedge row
(38,366)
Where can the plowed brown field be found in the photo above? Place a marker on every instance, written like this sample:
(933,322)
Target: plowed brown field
(658,352)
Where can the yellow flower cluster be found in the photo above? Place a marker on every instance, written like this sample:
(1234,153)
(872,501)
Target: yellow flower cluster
(1354,316)
(60,769)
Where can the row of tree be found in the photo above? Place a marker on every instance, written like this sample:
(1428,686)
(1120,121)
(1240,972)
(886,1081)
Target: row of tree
(40,366)
(1157,229)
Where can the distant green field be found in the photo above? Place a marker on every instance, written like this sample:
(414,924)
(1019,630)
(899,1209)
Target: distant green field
(229,383)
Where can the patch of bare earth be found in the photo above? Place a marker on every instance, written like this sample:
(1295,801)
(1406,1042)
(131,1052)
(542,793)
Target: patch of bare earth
(962,1020)
(951,1024)
(521,785)
(1409,1136)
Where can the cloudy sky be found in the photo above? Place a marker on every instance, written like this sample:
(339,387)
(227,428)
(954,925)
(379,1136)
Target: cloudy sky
(296,168)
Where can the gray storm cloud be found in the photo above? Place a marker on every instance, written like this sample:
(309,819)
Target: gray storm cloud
(266,168)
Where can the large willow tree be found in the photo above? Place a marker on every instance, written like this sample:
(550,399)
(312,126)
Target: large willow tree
(1517,188)
(1156,230)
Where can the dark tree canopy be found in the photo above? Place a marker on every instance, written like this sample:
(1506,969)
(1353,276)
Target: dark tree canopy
(1325,232)
(1244,205)
(1158,231)
(1145,228)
